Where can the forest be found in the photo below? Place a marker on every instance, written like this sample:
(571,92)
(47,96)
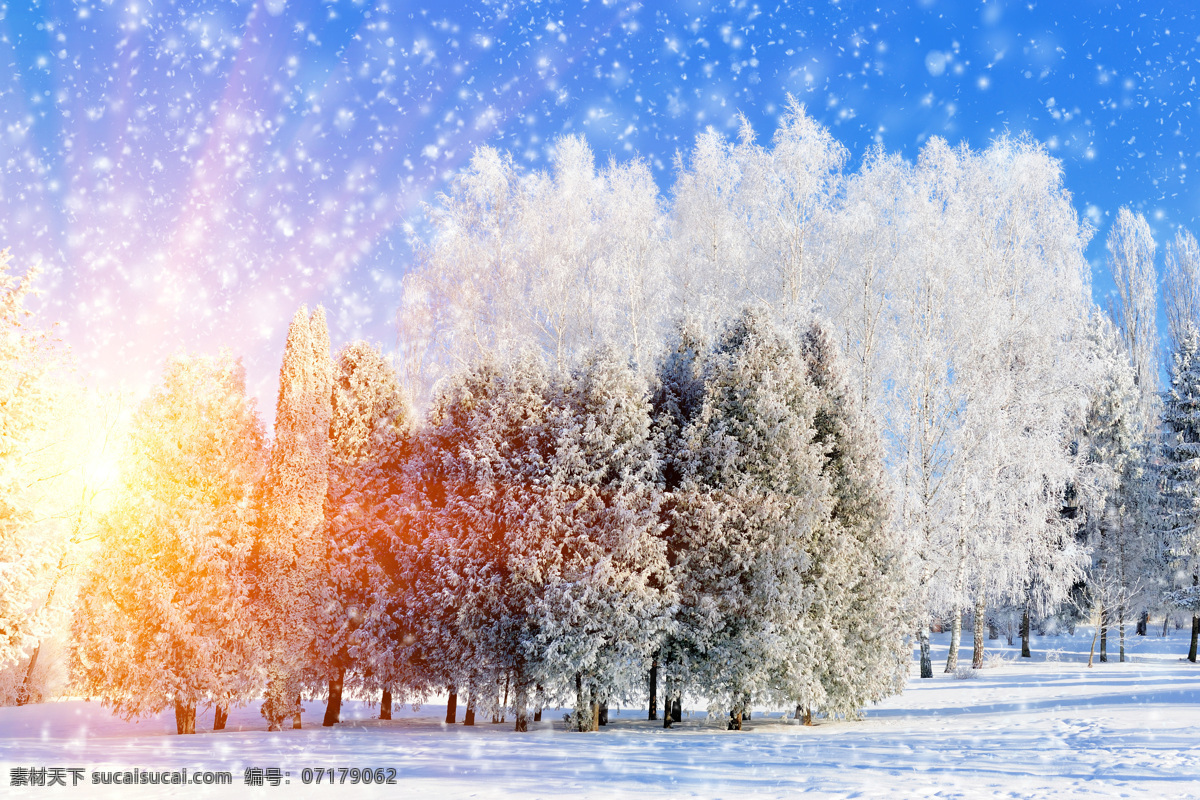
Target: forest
(745,442)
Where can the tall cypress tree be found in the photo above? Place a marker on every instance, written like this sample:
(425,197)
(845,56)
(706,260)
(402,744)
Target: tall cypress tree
(293,498)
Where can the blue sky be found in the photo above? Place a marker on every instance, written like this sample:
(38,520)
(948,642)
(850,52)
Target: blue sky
(189,173)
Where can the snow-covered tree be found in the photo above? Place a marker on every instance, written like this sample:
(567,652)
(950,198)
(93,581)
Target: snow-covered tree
(27,402)
(858,619)
(1113,487)
(289,559)
(557,262)
(1131,249)
(591,548)
(751,501)
(1181,286)
(369,421)
(165,613)
(1181,477)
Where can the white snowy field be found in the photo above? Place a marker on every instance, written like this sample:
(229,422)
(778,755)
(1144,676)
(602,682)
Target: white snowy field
(1025,729)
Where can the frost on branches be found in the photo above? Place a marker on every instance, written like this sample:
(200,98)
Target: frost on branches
(165,613)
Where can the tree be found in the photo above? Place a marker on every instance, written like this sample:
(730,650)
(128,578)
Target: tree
(165,615)
(1114,487)
(591,550)
(1181,477)
(368,422)
(292,546)
(27,403)
(1131,248)
(751,502)
(857,572)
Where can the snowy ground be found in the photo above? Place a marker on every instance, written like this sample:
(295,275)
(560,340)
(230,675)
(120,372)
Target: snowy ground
(1046,728)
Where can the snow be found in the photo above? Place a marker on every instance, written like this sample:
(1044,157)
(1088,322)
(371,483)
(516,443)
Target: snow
(1029,729)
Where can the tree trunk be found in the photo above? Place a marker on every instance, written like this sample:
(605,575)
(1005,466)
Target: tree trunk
(185,717)
(1092,652)
(977,653)
(504,705)
(1025,634)
(1143,624)
(520,701)
(926,659)
(808,715)
(955,635)
(540,700)
(452,706)
(385,704)
(25,693)
(582,722)
(1104,636)
(603,718)
(1166,621)
(469,717)
(296,715)
(677,708)
(222,716)
(1121,630)
(735,720)
(333,709)
(654,688)
(1195,637)
(993,631)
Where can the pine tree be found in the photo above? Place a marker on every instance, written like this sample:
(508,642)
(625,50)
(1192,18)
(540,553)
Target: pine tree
(1181,477)
(591,554)
(857,617)
(368,422)
(1112,485)
(165,615)
(750,503)
(292,546)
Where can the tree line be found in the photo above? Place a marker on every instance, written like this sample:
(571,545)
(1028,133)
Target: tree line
(745,441)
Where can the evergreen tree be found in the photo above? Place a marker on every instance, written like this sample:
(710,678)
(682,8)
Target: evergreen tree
(856,618)
(751,501)
(164,615)
(1181,477)
(292,546)
(591,552)
(1113,487)
(368,422)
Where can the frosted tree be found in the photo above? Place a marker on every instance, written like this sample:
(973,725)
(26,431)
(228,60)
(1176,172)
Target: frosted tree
(590,550)
(1181,477)
(473,491)
(1131,249)
(368,423)
(557,262)
(750,222)
(751,501)
(292,547)
(857,623)
(1181,286)
(1113,488)
(27,406)
(165,614)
